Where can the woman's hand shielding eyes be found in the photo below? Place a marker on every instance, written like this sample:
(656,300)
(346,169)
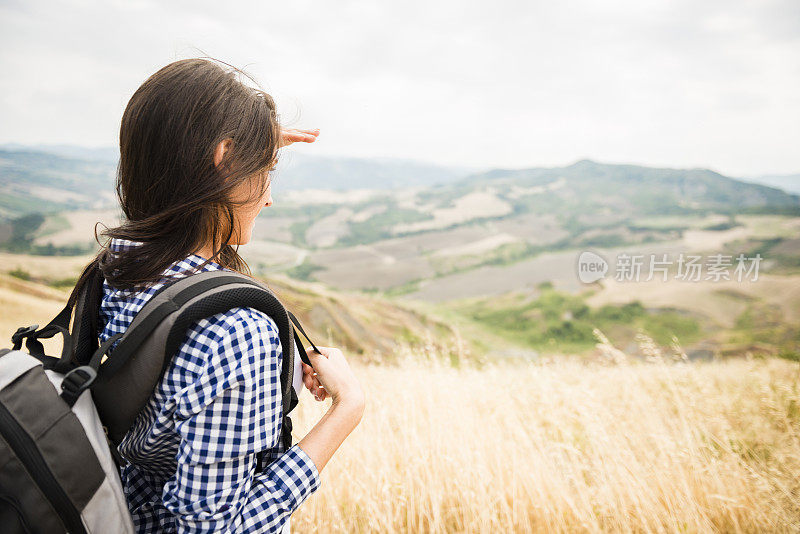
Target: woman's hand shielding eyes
(292,135)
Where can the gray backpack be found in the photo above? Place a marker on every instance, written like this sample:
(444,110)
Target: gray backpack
(61,419)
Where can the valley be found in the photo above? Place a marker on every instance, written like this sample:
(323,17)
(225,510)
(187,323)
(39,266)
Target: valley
(472,249)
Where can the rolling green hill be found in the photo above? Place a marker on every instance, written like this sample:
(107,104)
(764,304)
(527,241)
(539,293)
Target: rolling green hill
(637,189)
(40,182)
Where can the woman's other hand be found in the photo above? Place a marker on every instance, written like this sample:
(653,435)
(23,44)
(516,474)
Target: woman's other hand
(337,380)
(333,376)
(312,382)
(293,135)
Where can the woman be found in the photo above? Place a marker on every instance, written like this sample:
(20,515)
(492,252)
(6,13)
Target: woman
(196,149)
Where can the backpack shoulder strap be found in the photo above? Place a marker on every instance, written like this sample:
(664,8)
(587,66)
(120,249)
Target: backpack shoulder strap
(126,379)
(86,322)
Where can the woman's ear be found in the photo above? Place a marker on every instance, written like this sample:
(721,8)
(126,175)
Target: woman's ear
(220,150)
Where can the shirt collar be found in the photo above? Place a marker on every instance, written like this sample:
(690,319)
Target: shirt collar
(193,260)
(118,245)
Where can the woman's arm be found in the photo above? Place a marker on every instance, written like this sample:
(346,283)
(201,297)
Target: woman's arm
(333,373)
(229,409)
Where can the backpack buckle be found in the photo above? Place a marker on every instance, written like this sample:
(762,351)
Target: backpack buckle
(21,333)
(76,382)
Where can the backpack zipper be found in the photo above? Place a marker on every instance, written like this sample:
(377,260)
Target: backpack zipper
(26,450)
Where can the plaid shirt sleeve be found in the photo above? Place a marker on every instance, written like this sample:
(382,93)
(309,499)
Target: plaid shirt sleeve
(231,410)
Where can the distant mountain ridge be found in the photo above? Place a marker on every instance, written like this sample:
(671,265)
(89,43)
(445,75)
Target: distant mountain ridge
(297,170)
(656,188)
(108,154)
(83,177)
(522,212)
(42,182)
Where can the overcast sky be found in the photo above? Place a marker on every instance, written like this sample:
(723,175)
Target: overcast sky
(493,84)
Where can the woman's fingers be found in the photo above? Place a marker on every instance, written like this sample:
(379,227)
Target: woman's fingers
(308,380)
(308,134)
(293,135)
(312,383)
(318,390)
(296,136)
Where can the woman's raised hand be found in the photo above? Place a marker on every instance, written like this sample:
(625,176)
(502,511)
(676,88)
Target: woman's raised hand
(293,135)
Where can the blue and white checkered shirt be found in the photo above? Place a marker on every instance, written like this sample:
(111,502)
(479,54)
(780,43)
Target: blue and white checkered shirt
(192,450)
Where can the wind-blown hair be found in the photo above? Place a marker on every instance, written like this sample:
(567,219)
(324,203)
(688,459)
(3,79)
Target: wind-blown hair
(174,199)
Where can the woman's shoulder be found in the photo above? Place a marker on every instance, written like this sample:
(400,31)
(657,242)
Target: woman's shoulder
(230,333)
(240,342)
(248,326)
(231,360)
(228,368)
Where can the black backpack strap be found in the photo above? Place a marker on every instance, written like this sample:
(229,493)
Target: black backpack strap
(59,324)
(157,309)
(80,378)
(86,323)
(300,348)
(84,328)
(135,365)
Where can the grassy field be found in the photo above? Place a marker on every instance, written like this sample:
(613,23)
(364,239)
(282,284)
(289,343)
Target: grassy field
(565,447)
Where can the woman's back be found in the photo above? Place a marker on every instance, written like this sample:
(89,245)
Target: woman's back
(197,150)
(192,450)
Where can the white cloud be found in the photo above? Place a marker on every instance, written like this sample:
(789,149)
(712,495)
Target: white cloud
(672,83)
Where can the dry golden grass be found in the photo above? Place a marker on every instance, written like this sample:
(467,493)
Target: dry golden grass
(565,447)
(24,303)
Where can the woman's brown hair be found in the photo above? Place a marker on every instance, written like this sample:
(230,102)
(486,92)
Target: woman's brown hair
(174,198)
